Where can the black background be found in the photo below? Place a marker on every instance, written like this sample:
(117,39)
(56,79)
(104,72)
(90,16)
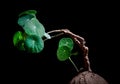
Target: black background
(92,20)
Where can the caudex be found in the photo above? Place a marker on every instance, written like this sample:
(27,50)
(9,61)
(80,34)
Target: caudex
(34,35)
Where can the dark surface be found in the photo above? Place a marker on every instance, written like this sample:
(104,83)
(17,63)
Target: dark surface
(90,20)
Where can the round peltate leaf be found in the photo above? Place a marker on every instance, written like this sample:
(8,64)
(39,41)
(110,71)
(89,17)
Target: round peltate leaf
(34,27)
(63,53)
(18,40)
(31,25)
(66,42)
(34,44)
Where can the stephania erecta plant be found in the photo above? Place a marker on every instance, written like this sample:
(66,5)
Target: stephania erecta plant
(31,40)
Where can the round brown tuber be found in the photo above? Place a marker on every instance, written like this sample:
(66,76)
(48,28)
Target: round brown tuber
(88,77)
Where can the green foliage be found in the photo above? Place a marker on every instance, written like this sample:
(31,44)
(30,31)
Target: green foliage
(64,49)
(18,40)
(66,42)
(31,40)
(31,25)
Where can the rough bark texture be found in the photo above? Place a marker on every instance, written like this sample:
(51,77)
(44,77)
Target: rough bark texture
(87,77)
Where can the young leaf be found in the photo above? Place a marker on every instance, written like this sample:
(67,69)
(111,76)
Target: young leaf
(28,12)
(66,42)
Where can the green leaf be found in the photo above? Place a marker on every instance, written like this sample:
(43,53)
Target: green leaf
(18,40)
(28,12)
(22,20)
(34,44)
(31,25)
(66,42)
(63,53)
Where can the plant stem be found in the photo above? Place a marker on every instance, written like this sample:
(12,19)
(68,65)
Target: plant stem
(80,41)
(73,64)
(55,36)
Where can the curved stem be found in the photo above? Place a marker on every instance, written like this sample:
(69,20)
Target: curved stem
(81,43)
(73,64)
